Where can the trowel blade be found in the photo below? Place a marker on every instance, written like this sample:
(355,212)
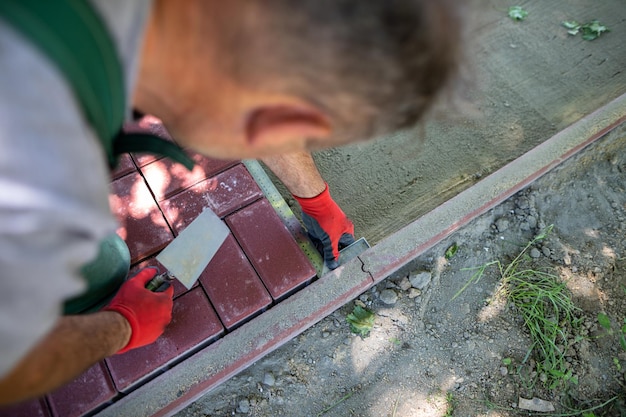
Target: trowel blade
(189,254)
(349,252)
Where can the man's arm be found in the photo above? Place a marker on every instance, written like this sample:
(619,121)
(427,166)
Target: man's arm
(135,317)
(326,223)
(75,343)
(298,172)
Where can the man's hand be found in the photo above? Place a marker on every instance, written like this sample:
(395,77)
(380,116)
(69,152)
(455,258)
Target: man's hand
(147,312)
(327,225)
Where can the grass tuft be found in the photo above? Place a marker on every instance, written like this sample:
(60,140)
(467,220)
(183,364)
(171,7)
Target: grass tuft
(546,308)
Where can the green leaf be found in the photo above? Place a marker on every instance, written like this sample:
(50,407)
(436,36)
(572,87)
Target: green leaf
(517,13)
(572,24)
(451,251)
(622,342)
(361,321)
(507,361)
(604,321)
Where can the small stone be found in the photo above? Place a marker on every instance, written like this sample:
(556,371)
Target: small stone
(269,379)
(504,371)
(414,292)
(532,221)
(244,406)
(534,253)
(546,251)
(405,284)
(388,297)
(325,335)
(420,279)
(502,224)
(536,404)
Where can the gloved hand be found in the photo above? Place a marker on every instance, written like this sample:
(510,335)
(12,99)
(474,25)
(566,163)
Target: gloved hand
(147,312)
(327,225)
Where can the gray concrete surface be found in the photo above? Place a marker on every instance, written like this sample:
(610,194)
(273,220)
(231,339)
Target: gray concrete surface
(523,82)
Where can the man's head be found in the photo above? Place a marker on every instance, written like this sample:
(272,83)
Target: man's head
(250,78)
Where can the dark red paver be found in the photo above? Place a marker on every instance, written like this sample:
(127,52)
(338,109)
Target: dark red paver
(194,323)
(166,177)
(89,391)
(223,193)
(125,165)
(274,253)
(142,224)
(151,125)
(33,408)
(233,286)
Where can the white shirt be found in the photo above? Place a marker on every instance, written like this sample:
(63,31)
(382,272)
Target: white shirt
(53,181)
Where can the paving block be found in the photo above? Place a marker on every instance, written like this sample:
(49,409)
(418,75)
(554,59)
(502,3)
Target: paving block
(124,166)
(233,286)
(166,177)
(223,193)
(179,289)
(194,324)
(32,408)
(271,248)
(147,124)
(87,392)
(142,225)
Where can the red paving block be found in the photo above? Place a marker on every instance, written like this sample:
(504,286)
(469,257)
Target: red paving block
(179,289)
(89,391)
(223,193)
(33,408)
(233,286)
(151,125)
(142,224)
(194,323)
(274,253)
(166,177)
(124,166)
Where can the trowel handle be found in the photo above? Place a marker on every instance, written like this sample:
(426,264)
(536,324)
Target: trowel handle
(160,282)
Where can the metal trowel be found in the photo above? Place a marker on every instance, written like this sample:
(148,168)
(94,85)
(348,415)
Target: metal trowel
(189,253)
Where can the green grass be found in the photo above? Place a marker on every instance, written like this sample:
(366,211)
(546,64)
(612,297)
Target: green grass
(545,306)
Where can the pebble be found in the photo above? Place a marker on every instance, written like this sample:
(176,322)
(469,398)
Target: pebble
(504,371)
(405,284)
(502,224)
(420,279)
(532,221)
(414,292)
(244,406)
(388,297)
(269,379)
(546,251)
(534,253)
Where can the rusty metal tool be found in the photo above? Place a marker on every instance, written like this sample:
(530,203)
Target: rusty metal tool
(189,253)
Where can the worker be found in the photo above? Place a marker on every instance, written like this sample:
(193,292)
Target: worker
(229,79)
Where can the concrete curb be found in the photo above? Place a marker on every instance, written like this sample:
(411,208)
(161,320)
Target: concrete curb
(205,370)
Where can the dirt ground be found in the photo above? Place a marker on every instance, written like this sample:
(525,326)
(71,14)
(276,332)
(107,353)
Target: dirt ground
(430,354)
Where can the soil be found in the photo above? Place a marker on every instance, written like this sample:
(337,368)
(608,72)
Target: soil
(430,354)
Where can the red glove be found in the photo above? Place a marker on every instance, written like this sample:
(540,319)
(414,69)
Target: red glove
(327,225)
(147,312)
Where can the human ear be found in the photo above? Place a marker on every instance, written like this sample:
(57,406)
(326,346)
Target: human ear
(283,128)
